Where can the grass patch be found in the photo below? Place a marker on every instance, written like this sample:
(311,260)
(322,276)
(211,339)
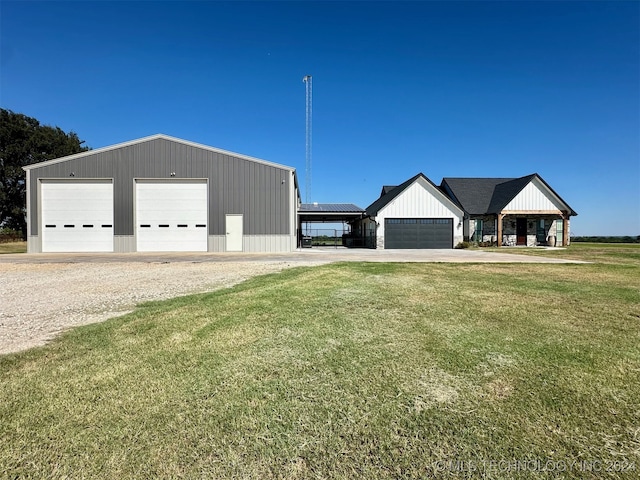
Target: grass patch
(343,371)
(13,247)
(606,253)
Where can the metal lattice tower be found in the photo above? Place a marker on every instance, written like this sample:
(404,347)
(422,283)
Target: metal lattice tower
(308,110)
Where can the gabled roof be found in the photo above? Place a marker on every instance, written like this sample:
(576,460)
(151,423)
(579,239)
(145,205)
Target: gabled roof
(389,193)
(152,138)
(480,196)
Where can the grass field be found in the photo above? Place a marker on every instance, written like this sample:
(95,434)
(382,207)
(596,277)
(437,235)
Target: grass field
(347,371)
(13,247)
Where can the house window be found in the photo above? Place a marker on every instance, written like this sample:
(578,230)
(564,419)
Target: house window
(541,233)
(559,236)
(477,234)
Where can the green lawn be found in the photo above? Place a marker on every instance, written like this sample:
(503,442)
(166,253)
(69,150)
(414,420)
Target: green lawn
(345,371)
(618,253)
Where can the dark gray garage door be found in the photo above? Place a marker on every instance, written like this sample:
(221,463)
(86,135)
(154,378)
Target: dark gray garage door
(418,233)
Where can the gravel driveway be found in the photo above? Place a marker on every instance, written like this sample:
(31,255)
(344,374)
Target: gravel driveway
(40,300)
(42,295)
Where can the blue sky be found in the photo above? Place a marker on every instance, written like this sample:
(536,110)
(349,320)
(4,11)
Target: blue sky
(450,89)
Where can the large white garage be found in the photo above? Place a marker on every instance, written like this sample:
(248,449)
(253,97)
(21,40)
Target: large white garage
(171,216)
(77,216)
(161,194)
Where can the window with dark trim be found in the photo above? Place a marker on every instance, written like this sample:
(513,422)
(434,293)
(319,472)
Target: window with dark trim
(477,233)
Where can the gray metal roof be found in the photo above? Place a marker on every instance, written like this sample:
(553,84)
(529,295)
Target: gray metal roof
(151,138)
(329,208)
(480,196)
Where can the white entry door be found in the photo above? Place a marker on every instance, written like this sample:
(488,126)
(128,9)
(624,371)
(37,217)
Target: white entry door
(77,216)
(171,216)
(234,224)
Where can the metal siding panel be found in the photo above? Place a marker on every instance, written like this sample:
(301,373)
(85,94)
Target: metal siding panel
(268,200)
(252,195)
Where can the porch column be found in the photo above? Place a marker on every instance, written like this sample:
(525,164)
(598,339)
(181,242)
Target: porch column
(565,229)
(500,217)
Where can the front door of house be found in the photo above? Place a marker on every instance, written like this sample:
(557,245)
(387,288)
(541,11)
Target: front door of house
(521,231)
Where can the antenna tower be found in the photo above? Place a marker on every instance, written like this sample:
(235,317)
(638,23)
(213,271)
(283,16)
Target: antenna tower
(308,110)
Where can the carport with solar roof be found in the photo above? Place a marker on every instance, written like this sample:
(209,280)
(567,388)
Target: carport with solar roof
(312,215)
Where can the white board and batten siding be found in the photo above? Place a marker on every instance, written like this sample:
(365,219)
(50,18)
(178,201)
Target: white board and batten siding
(420,200)
(534,197)
(171,216)
(76,215)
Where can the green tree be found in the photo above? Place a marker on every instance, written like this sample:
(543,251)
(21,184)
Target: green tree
(23,141)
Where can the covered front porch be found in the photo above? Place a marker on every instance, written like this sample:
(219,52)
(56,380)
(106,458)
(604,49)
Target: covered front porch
(519,228)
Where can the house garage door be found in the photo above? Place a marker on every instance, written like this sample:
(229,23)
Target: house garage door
(77,216)
(418,233)
(171,216)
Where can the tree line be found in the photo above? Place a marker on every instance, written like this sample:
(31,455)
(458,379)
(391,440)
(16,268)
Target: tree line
(607,239)
(24,141)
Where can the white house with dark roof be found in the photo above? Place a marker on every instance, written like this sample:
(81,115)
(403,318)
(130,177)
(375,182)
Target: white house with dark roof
(501,211)
(511,211)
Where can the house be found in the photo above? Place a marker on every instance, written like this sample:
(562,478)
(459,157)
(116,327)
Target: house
(501,211)
(415,214)
(161,193)
(511,211)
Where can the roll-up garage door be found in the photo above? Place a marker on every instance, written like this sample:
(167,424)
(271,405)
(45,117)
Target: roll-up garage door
(171,216)
(77,216)
(418,233)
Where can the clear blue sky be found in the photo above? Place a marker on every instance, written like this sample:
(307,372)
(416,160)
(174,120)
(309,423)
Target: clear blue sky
(451,89)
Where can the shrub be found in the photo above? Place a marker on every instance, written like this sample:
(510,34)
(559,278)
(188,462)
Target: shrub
(9,235)
(463,245)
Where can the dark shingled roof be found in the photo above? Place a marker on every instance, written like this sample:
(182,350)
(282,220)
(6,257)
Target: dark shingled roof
(330,208)
(480,196)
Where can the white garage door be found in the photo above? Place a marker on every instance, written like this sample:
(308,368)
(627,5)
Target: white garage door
(77,216)
(171,216)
